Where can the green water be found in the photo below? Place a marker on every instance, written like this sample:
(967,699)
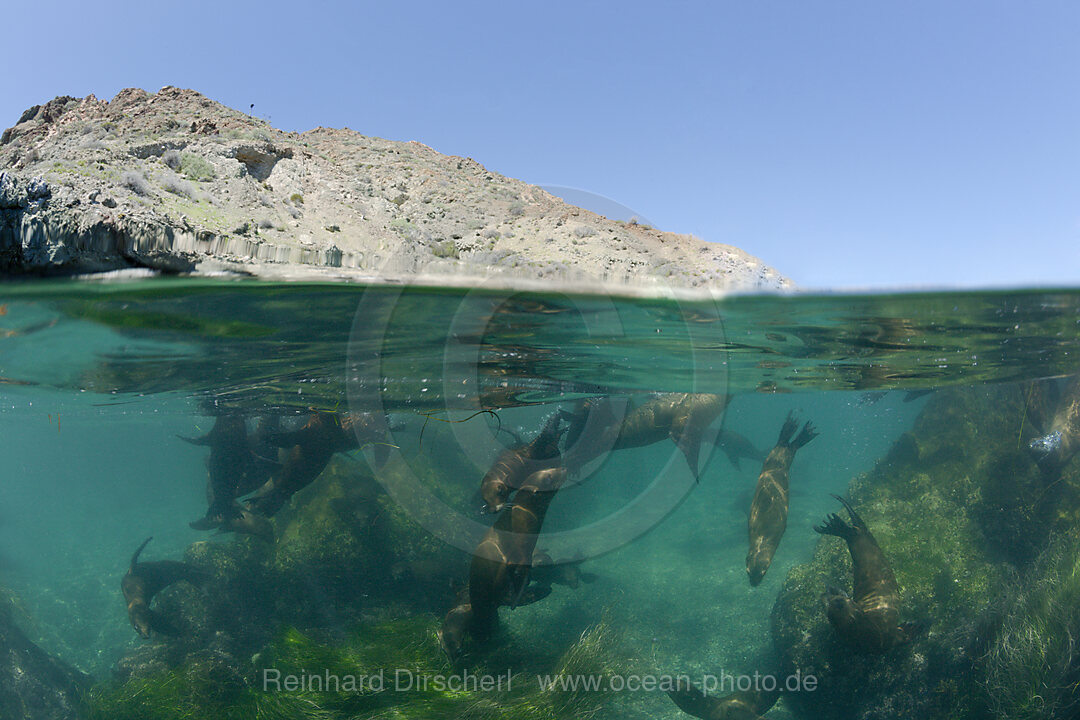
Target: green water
(97,380)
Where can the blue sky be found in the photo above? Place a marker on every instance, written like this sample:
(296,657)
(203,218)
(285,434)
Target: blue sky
(845,143)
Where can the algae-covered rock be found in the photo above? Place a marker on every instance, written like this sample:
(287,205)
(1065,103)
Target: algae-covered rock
(381,669)
(33,684)
(1032,668)
(927,504)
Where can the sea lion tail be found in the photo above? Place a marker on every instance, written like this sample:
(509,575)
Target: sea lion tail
(791,424)
(692,701)
(809,432)
(135,557)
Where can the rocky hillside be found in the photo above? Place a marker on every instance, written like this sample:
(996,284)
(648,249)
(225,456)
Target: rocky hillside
(177,182)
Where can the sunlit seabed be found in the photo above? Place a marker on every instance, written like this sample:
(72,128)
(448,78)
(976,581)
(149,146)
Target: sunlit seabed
(97,380)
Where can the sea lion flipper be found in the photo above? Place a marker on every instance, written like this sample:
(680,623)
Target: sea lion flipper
(205,523)
(588,577)
(791,424)
(835,525)
(533,593)
(135,557)
(809,432)
(519,580)
(204,440)
(693,701)
(689,442)
(855,519)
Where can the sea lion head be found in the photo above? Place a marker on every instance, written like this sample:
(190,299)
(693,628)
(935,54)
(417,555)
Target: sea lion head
(141,620)
(840,609)
(758,561)
(496,492)
(454,628)
(548,479)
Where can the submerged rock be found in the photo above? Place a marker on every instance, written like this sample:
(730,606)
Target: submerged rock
(33,684)
(938,506)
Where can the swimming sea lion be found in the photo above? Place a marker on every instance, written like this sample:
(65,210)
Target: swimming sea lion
(230,455)
(499,572)
(144,580)
(769,509)
(545,571)
(514,465)
(1061,440)
(739,705)
(455,628)
(736,446)
(249,523)
(683,417)
(310,450)
(462,623)
(869,620)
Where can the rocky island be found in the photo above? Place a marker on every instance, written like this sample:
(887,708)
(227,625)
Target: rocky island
(175,182)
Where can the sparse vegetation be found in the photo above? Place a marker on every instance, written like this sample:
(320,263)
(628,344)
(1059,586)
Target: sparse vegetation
(135,181)
(196,168)
(176,186)
(171,158)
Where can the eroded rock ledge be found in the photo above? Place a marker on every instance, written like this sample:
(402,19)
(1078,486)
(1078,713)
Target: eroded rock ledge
(175,182)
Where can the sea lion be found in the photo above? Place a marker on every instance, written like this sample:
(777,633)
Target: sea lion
(545,571)
(238,464)
(735,446)
(1061,439)
(516,464)
(739,705)
(461,622)
(683,417)
(310,450)
(144,580)
(769,508)
(249,523)
(869,619)
(499,572)
(455,628)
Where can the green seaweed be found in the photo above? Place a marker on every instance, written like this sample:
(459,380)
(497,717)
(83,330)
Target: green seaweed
(203,687)
(1032,669)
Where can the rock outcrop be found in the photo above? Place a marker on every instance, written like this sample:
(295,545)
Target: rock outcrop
(33,684)
(173,181)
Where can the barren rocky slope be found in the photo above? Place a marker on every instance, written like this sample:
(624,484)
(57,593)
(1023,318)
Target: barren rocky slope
(174,181)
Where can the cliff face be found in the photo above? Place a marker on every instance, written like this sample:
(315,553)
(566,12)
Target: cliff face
(174,181)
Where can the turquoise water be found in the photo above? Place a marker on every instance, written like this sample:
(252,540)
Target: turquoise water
(97,380)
